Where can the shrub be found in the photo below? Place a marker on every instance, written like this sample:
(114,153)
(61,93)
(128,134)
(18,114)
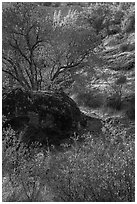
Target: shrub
(93,172)
(24,171)
(129,104)
(92,99)
(114,102)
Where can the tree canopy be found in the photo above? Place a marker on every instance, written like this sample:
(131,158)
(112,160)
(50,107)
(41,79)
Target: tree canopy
(38,46)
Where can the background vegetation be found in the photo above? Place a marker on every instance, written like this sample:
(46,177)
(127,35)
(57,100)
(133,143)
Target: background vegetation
(88,50)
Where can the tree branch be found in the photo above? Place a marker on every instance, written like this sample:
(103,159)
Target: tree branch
(36,44)
(17,77)
(8,72)
(14,77)
(69,66)
(20,51)
(9,61)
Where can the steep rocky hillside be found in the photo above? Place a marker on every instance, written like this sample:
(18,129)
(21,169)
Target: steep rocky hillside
(115,83)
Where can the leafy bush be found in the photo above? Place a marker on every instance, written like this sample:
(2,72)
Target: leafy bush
(114,98)
(24,171)
(92,99)
(94,172)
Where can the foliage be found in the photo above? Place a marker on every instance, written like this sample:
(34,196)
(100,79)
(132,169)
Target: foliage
(114,99)
(91,171)
(17,48)
(114,102)
(44,46)
(94,172)
(38,46)
(110,18)
(25,171)
(92,99)
(104,16)
(99,165)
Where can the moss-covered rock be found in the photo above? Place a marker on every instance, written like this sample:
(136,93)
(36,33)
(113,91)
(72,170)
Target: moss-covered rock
(52,116)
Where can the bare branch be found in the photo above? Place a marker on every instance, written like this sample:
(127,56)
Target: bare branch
(21,74)
(16,47)
(8,72)
(41,78)
(69,66)
(18,72)
(14,77)
(36,45)
(9,61)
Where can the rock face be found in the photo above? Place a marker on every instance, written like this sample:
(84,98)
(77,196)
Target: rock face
(45,117)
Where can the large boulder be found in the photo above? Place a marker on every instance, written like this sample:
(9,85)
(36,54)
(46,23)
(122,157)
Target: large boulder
(45,117)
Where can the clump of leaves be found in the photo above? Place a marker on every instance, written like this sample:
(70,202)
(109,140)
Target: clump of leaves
(87,172)
(24,171)
(94,172)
